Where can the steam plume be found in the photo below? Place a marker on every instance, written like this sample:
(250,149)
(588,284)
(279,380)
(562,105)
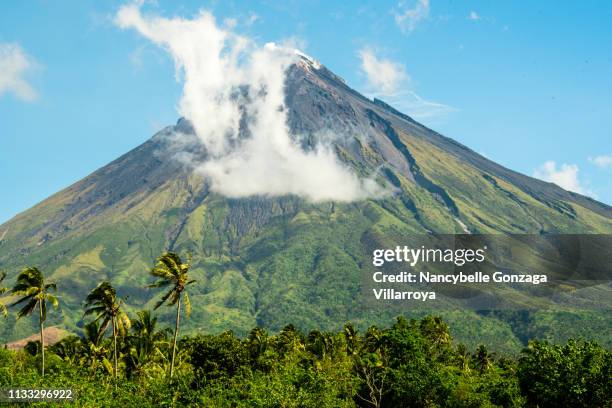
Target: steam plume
(233,94)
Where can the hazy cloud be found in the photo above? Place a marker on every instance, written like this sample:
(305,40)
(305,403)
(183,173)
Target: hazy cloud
(389,80)
(252,19)
(227,78)
(14,66)
(383,75)
(408,14)
(230,22)
(473,16)
(417,107)
(565,176)
(603,161)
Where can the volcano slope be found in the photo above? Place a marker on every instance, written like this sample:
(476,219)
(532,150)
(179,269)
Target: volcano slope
(270,261)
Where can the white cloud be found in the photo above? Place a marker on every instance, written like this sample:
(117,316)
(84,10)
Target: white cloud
(604,161)
(383,75)
(217,68)
(417,107)
(565,176)
(473,16)
(14,65)
(388,80)
(407,18)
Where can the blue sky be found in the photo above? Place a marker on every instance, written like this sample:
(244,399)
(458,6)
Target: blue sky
(527,85)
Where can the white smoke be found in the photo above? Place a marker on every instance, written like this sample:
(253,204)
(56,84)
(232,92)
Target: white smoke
(216,65)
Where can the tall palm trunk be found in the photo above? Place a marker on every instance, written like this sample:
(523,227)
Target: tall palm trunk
(42,339)
(114,348)
(176,329)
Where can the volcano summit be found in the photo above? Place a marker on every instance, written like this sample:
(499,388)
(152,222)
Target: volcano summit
(269,259)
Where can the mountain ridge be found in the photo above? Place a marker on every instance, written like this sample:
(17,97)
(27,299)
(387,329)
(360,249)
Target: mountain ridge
(270,260)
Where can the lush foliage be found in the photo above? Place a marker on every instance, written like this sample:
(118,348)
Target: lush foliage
(3,290)
(34,292)
(102,301)
(410,364)
(267,261)
(172,272)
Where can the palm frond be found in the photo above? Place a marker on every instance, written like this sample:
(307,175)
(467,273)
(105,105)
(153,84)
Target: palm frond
(27,309)
(176,296)
(169,266)
(103,294)
(160,283)
(123,323)
(187,303)
(90,331)
(173,261)
(31,277)
(163,299)
(94,310)
(51,285)
(22,290)
(162,271)
(102,328)
(21,300)
(53,299)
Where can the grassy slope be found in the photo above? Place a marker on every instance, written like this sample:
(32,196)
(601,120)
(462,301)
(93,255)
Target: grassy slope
(273,262)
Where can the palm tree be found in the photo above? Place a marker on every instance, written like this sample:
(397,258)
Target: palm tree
(320,344)
(102,301)
(463,358)
(32,288)
(172,272)
(94,350)
(289,339)
(145,330)
(351,338)
(483,359)
(3,290)
(68,349)
(145,342)
(257,342)
(434,328)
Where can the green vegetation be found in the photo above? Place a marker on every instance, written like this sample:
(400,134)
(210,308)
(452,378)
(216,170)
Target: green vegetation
(266,261)
(3,290)
(102,302)
(172,271)
(412,363)
(34,292)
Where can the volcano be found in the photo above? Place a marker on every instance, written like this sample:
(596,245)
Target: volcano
(270,261)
